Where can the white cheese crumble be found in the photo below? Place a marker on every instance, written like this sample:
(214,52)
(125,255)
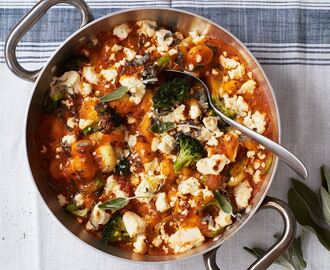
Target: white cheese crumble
(61,200)
(211,123)
(116,48)
(194,111)
(223,219)
(189,185)
(185,238)
(166,144)
(212,165)
(161,202)
(133,223)
(113,187)
(248,86)
(137,92)
(257,176)
(86,89)
(109,74)
(79,199)
(164,40)
(140,245)
(121,31)
(237,73)
(196,37)
(147,27)
(130,54)
(175,116)
(228,63)
(90,75)
(237,104)
(256,121)
(70,122)
(69,139)
(132,140)
(242,194)
(71,81)
(98,217)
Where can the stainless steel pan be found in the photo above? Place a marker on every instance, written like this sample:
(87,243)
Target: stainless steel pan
(176,19)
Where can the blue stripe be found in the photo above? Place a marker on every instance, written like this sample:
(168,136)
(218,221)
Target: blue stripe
(260,25)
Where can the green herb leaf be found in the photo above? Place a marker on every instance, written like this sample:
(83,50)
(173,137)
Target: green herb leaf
(115,204)
(50,106)
(300,209)
(325,200)
(76,211)
(311,201)
(114,230)
(325,174)
(121,91)
(162,127)
(163,61)
(89,130)
(292,259)
(224,204)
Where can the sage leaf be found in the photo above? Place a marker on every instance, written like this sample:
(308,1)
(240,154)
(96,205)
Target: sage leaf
(162,127)
(325,174)
(115,204)
(121,91)
(292,259)
(311,201)
(223,203)
(302,214)
(325,200)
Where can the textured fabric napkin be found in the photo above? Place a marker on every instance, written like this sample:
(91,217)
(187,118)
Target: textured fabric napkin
(291,39)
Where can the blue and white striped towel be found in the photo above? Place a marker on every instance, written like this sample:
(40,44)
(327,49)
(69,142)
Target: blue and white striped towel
(290,38)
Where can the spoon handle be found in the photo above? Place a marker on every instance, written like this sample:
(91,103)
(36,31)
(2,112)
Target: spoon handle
(274,147)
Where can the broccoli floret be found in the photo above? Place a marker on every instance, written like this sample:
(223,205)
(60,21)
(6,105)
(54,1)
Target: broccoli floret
(190,151)
(123,167)
(114,230)
(171,93)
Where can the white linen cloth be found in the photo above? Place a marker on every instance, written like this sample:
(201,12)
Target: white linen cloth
(31,238)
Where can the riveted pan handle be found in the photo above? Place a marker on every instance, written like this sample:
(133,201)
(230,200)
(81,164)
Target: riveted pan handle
(26,23)
(277,249)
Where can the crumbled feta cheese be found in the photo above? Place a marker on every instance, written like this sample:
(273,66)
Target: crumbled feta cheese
(255,121)
(207,194)
(150,49)
(86,89)
(148,186)
(175,116)
(79,199)
(185,238)
(194,111)
(148,28)
(212,165)
(210,122)
(154,144)
(157,241)
(61,200)
(136,87)
(257,176)
(242,194)
(199,58)
(133,223)
(70,80)
(164,40)
(196,37)
(98,217)
(191,67)
(140,245)
(172,52)
(189,185)
(121,31)
(69,139)
(250,154)
(113,187)
(237,73)
(161,202)
(90,75)
(166,144)
(84,123)
(248,86)
(130,54)
(223,219)
(132,140)
(116,48)
(212,141)
(120,63)
(109,74)
(237,104)
(152,166)
(228,63)
(70,122)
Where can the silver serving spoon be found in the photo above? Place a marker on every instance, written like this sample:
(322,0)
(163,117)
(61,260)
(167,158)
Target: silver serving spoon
(274,147)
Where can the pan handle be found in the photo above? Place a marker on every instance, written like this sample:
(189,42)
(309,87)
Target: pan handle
(277,249)
(27,22)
